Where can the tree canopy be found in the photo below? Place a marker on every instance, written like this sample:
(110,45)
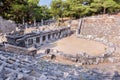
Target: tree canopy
(18,9)
(80,8)
(30,10)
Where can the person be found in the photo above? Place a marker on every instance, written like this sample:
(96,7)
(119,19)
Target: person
(47,51)
(53,56)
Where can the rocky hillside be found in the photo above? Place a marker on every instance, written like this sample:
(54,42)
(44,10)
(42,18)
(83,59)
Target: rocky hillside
(107,26)
(101,26)
(6,26)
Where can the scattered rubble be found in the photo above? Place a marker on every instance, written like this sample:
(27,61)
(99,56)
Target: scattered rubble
(7,26)
(24,67)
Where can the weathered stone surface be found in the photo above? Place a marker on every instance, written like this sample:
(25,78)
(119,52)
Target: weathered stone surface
(43,77)
(37,69)
(1,78)
(20,76)
(12,76)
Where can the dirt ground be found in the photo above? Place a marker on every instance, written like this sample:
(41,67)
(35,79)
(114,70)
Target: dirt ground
(74,45)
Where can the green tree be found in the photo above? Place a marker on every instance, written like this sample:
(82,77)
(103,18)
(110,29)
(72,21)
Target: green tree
(46,13)
(32,6)
(12,9)
(78,8)
(18,10)
(97,6)
(107,4)
(57,8)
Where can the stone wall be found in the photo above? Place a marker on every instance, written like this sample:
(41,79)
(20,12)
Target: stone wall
(85,58)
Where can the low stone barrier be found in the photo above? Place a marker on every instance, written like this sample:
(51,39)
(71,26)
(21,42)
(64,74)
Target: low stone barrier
(18,50)
(111,47)
(85,58)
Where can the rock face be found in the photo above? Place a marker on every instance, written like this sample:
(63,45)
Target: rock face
(7,26)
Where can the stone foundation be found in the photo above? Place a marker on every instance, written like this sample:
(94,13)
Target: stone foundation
(38,38)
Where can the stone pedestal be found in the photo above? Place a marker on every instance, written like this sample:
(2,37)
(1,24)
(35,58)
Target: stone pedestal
(34,40)
(26,43)
(41,40)
(46,36)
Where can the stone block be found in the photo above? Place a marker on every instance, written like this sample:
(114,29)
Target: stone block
(43,77)
(20,76)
